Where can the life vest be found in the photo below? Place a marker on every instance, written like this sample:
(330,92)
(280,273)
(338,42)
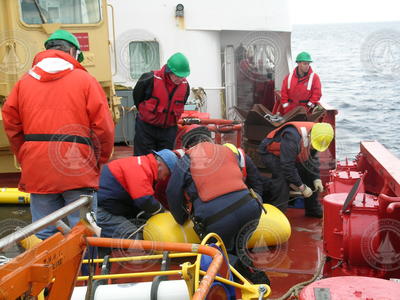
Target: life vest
(209,166)
(310,80)
(163,109)
(303,128)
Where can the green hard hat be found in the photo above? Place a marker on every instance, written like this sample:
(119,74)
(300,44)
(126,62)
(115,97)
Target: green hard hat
(303,56)
(66,36)
(179,65)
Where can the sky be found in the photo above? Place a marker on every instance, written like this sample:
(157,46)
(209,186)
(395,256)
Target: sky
(344,11)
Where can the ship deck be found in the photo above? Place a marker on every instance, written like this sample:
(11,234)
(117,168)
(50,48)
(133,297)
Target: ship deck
(286,265)
(299,258)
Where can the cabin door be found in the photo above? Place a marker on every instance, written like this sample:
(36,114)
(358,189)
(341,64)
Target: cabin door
(230,82)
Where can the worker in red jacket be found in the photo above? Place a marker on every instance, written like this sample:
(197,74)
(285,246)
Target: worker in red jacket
(160,97)
(302,87)
(127,188)
(59,127)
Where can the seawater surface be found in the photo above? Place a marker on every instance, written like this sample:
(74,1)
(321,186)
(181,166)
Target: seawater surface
(359,67)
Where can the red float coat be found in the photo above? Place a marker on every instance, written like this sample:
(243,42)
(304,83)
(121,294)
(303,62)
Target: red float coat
(136,174)
(209,166)
(58,96)
(166,104)
(304,129)
(305,91)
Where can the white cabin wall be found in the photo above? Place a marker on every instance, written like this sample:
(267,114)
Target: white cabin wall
(155,20)
(250,15)
(200,39)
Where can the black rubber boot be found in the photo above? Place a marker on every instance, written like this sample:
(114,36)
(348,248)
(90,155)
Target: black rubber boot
(251,273)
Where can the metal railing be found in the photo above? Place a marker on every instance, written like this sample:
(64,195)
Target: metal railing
(83,201)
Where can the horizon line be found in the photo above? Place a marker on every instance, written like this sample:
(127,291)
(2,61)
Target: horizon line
(355,22)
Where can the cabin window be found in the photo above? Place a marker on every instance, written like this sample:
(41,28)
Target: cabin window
(144,56)
(61,11)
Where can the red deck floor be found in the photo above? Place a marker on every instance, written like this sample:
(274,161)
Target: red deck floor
(298,259)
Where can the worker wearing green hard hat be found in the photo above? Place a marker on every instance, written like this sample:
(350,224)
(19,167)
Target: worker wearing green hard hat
(303,56)
(179,65)
(64,35)
(58,105)
(302,87)
(160,97)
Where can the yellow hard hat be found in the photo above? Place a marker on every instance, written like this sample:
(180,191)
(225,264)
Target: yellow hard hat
(321,136)
(232,147)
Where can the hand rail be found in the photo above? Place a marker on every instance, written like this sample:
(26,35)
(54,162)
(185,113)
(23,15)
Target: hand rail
(44,222)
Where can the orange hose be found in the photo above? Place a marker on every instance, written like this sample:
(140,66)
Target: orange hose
(206,281)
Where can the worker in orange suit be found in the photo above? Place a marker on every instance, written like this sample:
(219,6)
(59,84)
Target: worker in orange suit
(60,129)
(302,87)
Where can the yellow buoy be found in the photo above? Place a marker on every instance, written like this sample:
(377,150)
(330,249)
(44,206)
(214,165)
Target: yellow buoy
(13,196)
(162,227)
(273,229)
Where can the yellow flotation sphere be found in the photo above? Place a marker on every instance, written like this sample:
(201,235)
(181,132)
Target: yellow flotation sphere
(273,229)
(162,227)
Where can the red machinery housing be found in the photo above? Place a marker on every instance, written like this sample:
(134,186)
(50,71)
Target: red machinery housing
(361,230)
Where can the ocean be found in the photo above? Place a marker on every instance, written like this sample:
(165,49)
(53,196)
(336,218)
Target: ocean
(359,67)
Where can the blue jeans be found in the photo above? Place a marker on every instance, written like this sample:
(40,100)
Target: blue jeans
(45,204)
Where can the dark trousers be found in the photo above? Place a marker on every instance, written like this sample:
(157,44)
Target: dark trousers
(236,228)
(149,137)
(278,193)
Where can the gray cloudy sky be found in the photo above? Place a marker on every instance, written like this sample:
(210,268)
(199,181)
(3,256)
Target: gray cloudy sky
(344,11)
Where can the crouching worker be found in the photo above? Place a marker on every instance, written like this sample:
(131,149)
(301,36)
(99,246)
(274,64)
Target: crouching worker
(251,175)
(127,188)
(290,153)
(207,186)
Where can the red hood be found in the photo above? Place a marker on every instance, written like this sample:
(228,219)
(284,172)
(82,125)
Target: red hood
(53,64)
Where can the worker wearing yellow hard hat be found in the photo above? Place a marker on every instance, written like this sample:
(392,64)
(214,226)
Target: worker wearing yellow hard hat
(290,154)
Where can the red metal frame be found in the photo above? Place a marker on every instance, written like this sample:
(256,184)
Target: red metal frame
(352,238)
(225,131)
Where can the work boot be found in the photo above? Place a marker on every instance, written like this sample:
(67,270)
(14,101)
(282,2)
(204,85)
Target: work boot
(252,274)
(313,207)
(29,242)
